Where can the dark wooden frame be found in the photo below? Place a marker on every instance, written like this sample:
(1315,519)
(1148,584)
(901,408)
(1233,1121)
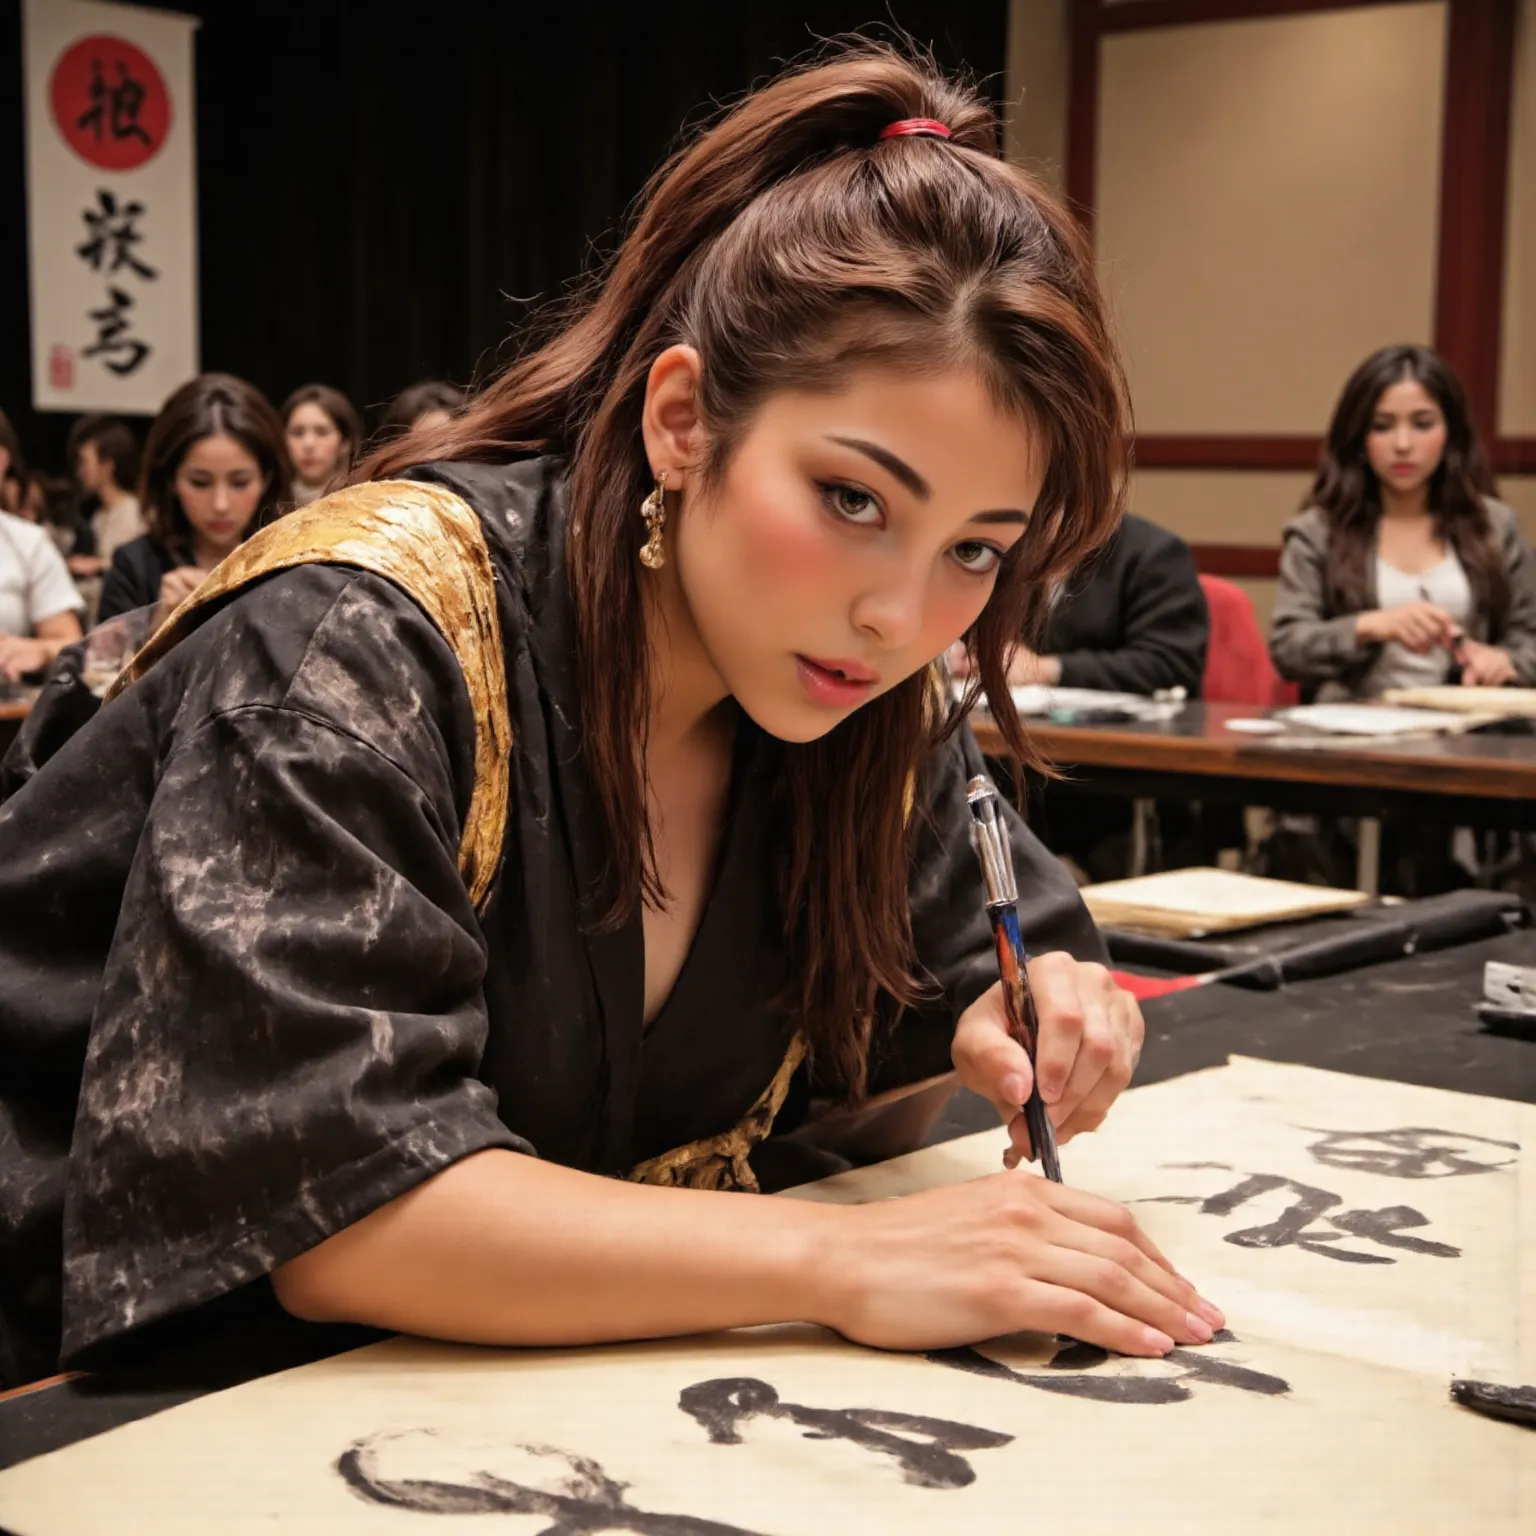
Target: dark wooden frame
(1251,562)
(1479,83)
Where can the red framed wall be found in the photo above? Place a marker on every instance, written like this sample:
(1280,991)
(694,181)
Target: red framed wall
(1474,153)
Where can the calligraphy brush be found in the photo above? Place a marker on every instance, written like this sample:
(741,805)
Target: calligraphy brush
(989,837)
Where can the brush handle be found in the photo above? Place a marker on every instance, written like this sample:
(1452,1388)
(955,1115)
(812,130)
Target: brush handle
(1024,1026)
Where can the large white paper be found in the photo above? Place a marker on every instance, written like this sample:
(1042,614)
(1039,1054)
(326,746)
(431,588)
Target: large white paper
(1327,1411)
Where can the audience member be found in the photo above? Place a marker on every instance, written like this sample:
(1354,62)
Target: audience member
(105,459)
(1135,621)
(429,404)
(13,468)
(215,466)
(39,606)
(324,434)
(1403,570)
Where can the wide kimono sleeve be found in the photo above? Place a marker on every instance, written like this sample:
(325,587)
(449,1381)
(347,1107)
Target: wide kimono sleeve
(291,1016)
(950,929)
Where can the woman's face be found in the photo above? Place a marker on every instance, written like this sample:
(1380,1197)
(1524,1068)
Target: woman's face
(852,537)
(314,443)
(219,486)
(1406,440)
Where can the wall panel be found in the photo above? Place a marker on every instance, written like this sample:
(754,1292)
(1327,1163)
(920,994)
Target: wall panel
(1267,196)
(1517,373)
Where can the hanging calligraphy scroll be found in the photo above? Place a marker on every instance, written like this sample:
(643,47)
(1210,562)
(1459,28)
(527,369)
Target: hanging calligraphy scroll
(1369,1242)
(111,205)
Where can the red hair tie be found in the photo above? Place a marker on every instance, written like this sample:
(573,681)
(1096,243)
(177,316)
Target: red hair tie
(915,128)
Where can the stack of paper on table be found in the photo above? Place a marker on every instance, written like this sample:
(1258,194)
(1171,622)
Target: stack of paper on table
(1500,702)
(1182,903)
(1375,720)
(1368,1241)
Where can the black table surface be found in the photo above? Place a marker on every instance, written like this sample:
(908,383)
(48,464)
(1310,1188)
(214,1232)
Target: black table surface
(1409,1020)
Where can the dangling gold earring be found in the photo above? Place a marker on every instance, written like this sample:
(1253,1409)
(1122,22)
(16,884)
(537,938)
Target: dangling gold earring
(654,510)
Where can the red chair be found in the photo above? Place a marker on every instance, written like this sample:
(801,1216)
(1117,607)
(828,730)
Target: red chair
(1237,665)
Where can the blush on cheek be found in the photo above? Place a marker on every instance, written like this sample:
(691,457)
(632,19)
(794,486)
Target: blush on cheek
(779,544)
(949,617)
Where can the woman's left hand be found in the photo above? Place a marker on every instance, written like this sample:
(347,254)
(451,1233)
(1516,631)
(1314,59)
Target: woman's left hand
(1485,666)
(1090,1041)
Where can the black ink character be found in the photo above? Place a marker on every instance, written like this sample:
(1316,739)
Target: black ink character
(1415,1152)
(120,352)
(1291,1226)
(584,1503)
(115,107)
(112,236)
(1075,1362)
(924,1449)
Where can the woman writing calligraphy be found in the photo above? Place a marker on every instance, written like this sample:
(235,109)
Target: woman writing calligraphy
(572,796)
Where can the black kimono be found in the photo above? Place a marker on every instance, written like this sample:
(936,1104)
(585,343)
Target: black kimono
(245,997)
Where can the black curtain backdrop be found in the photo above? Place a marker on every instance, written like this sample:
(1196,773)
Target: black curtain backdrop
(383,187)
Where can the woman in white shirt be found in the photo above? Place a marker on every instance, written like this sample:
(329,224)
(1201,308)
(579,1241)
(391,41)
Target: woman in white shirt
(39,606)
(1404,570)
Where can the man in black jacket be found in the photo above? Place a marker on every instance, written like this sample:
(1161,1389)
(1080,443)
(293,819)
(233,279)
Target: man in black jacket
(1135,621)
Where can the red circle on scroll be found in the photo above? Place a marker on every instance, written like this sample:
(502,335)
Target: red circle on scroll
(110,102)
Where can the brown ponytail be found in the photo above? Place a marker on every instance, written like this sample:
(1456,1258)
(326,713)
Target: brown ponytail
(790,245)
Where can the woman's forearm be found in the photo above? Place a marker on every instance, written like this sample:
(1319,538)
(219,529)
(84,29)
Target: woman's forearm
(506,1249)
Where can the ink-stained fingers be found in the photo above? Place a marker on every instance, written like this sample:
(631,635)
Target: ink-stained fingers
(1106,1215)
(1059,984)
(1066,1233)
(1056,1308)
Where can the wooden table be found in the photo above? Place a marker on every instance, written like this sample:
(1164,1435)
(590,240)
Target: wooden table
(1475,780)
(1195,755)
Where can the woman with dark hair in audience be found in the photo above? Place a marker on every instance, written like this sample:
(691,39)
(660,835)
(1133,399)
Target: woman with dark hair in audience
(324,434)
(215,468)
(429,404)
(468,880)
(1403,570)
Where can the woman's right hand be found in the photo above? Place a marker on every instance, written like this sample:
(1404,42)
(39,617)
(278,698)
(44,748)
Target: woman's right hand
(175,587)
(1007,1254)
(1418,626)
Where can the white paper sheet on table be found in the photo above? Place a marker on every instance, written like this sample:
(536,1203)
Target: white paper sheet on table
(1363,1438)
(1035,700)
(1373,720)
